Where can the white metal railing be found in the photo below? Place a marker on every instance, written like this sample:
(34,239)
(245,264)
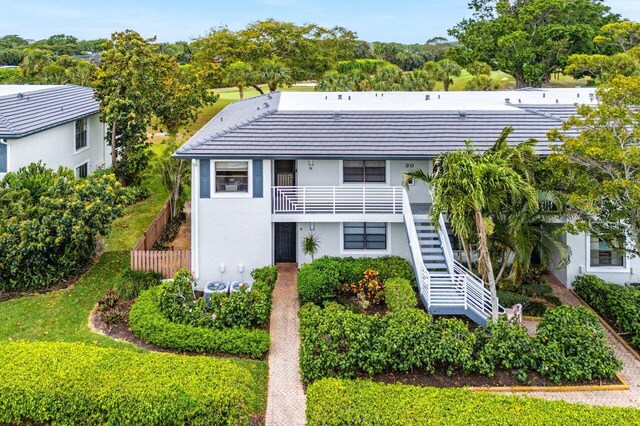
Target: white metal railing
(422,274)
(337,199)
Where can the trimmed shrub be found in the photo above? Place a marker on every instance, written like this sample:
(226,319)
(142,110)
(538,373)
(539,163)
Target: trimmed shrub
(618,304)
(336,342)
(266,274)
(454,345)
(319,280)
(408,340)
(135,193)
(130,283)
(399,294)
(571,347)
(361,402)
(506,347)
(147,321)
(71,383)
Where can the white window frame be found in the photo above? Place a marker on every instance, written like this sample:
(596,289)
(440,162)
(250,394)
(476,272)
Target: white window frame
(86,130)
(212,181)
(365,252)
(599,269)
(6,142)
(387,175)
(75,170)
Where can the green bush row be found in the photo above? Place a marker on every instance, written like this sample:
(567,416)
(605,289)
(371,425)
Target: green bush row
(70,383)
(619,304)
(319,280)
(399,294)
(266,274)
(336,342)
(149,323)
(359,402)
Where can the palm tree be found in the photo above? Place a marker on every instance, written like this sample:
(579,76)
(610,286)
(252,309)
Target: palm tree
(418,80)
(274,73)
(239,74)
(444,71)
(469,186)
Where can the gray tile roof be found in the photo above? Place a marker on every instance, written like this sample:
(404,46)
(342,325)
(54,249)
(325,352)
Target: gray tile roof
(253,129)
(33,111)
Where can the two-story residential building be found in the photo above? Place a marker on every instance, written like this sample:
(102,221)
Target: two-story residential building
(269,170)
(58,125)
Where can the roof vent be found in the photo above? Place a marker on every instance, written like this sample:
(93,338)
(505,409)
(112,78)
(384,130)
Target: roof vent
(462,115)
(578,94)
(557,101)
(507,101)
(336,116)
(438,96)
(339,97)
(20,95)
(222,119)
(349,98)
(269,96)
(326,97)
(544,95)
(265,105)
(427,97)
(519,101)
(382,94)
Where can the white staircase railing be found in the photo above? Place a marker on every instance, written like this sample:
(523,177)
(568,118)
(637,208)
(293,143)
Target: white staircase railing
(459,289)
(477,296)
(422,274)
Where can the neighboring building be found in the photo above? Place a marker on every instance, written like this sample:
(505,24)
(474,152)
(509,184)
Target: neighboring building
(269,170)
(58,125)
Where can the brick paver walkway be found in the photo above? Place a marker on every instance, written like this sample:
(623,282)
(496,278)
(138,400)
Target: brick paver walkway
(630,371)
(286,400)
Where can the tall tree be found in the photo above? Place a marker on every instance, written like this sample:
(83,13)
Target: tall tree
(599,168)
(468,186)
(241,75)
(274,73)
(443,71)
(35,61)
(529,39)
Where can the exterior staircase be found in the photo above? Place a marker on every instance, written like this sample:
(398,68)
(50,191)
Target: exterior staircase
(445,286)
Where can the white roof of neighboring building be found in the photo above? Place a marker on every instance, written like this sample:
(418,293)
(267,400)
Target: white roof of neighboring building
(14,89)
(438,101)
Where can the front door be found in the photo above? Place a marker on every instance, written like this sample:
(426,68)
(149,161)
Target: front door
(285,172)
(285,242)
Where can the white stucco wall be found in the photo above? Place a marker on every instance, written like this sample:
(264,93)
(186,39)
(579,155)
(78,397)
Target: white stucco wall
(580,264)
(232,231)
(56,147)
(328,173)
(330,235)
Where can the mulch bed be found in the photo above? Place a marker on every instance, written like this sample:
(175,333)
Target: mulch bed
(501,378)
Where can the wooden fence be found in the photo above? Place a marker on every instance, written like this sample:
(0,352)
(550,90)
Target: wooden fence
(165,262)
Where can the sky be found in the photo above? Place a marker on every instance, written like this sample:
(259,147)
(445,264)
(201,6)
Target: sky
(405,21)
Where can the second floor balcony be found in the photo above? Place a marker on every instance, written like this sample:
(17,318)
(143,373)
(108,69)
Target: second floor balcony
(336,203)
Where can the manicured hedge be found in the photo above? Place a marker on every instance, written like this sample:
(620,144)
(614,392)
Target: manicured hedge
(319,280)
(359,402)
(148,323)
(399,294)
(70,383)
(337,342)
(620,305)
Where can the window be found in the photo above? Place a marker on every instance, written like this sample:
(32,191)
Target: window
(365,236)
(82,171)
(81,133)
(4,157)
(232,176)
(368,171)
(603,255)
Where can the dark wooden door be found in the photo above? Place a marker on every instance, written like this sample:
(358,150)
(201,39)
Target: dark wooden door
(285,242)
(285,173)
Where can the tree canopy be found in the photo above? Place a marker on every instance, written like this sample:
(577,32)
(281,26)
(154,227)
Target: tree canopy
(529,39)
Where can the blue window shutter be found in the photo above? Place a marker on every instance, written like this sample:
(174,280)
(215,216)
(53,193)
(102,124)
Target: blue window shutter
(205,178)
(258,190)
(3,158)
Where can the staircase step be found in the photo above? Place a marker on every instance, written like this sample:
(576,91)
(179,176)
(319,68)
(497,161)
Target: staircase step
(431,257)
(425,248)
